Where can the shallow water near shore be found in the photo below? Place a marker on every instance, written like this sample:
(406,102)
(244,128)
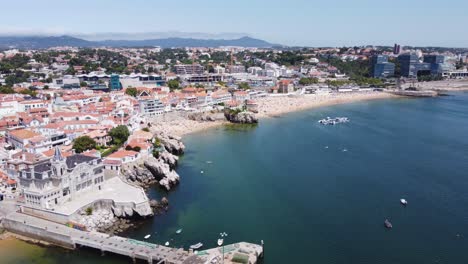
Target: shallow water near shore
(320,194)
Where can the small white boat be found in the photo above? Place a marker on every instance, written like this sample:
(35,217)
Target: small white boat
(178,231)
(220,242)
(147,236)
(196,246)
(166,244)
(345,150)
(403,202)
(326,147)
(201,172)
(209,162)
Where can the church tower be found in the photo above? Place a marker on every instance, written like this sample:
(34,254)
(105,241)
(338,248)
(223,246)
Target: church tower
(59,166)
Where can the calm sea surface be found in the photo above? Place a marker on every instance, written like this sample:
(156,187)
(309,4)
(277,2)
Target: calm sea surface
(320,194)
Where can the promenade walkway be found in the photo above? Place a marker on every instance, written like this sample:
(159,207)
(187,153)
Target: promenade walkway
(57,233)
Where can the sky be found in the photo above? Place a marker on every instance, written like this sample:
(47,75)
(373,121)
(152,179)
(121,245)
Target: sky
(289,22)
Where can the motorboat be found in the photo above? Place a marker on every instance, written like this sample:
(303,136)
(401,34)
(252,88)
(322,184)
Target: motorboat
(388,224)
(166,244)
(178,231)
(403,202)
(147,236)
(220,242)
(333,121)
(196,246)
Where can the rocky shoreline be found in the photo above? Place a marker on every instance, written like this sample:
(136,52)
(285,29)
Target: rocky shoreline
(146,172)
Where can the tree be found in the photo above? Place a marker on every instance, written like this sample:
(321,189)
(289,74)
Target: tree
(173,84)
(6,90)
(46,87)
(131,91)
(83,143)
(83,84)
(244,86)
(119,134)
(308,81)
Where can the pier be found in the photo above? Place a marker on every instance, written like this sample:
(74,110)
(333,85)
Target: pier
(64,236)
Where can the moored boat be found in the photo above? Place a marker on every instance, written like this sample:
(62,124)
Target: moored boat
(403,202)
(147,236)
(388,224)
(196,246)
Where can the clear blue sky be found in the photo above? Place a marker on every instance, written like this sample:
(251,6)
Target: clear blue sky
(291,22)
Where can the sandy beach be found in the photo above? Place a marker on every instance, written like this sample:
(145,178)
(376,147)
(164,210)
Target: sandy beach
(274,106)
(269,107)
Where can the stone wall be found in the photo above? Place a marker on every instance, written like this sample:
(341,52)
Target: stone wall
(38,233)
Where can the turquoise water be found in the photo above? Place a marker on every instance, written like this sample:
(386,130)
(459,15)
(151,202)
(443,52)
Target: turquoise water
(279,182)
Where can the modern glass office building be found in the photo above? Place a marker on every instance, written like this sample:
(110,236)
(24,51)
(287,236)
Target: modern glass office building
(410,65)
(114,82)
(381,68)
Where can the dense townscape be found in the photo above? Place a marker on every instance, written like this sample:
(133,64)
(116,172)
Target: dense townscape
(85,130)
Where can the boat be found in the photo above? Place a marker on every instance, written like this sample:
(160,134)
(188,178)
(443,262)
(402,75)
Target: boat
(333,121)
(209,162)
(147,236)
(403,202)
(178,231)
(388,224)
(220,242)
(196,246)
(166,244)
(201,172)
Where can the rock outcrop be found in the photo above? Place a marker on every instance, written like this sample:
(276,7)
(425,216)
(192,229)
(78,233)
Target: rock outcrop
(152,170)
(172,144)
(162,171)
(206,117)
(241,117)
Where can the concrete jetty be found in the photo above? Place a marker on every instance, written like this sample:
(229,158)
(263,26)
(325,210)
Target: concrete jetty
(65,236)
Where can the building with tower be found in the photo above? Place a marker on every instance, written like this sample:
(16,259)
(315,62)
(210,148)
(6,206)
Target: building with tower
(48,183)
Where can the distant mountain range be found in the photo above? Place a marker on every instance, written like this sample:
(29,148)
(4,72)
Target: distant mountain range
(44,42)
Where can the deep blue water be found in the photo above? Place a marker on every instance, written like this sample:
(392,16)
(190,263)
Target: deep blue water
(311,204)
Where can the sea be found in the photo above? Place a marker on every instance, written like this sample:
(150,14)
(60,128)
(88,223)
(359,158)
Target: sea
(315,193)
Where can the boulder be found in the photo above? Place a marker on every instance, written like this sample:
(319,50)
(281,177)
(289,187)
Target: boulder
(241,117)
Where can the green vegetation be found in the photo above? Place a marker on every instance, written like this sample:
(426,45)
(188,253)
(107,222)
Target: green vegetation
(132,91)
(119,134)
(17,76)
(244,86)
(10,65)
(136,148)
(89,211)
(109,151)
(173,84)
(81,144)
(308,81)
(6,90)
(31,92)
(354,69)
(146,129)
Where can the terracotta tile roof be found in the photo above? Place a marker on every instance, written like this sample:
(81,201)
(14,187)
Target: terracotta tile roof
(122,154)
(23,133)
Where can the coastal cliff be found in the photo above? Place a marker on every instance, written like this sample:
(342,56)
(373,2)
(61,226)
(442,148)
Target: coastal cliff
(160,169)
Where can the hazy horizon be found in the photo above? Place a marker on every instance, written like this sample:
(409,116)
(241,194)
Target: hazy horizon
(296,23)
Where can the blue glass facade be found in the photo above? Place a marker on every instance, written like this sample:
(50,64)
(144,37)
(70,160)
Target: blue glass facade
(114,83)
(381,68)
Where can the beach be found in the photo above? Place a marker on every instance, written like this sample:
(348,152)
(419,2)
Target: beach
(269,106)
